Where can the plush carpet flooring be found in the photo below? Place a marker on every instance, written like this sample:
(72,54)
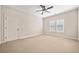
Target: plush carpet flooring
(40,44)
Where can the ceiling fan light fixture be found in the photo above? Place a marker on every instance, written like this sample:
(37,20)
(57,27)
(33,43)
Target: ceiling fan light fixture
(44,9)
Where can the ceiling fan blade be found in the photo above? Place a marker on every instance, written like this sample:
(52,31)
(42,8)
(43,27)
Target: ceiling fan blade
(47,11)
(42,13)
(42,6)
(38,10)
(50,7)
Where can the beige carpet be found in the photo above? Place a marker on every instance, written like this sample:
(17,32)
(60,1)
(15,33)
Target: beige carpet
(42,43)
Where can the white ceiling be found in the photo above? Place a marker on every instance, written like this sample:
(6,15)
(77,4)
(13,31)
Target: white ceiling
(32,9)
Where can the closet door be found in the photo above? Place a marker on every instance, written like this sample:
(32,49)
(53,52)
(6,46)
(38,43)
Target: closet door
(10,25)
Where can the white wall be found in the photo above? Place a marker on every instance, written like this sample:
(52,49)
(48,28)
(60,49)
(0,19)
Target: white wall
(70,24)
(78,23)
(0,24)
(20,25)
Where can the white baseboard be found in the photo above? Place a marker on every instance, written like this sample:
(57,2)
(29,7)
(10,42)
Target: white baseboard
(64,36)
(71,37)
(78,38)
(28,36)
(7,40)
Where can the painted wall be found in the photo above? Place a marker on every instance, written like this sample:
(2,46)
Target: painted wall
(70,24)
(0,24)
(18,25)
(78,23)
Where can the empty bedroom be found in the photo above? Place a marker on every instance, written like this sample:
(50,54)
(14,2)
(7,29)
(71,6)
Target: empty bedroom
(39,28)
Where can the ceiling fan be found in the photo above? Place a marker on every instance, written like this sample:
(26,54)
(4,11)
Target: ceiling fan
(44,9)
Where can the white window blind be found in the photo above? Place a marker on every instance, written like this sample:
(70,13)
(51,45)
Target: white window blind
(52,26)
(56,26)
(59,25)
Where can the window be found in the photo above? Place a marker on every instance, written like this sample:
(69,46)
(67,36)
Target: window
(52,26)
(56,26)
(60,26)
